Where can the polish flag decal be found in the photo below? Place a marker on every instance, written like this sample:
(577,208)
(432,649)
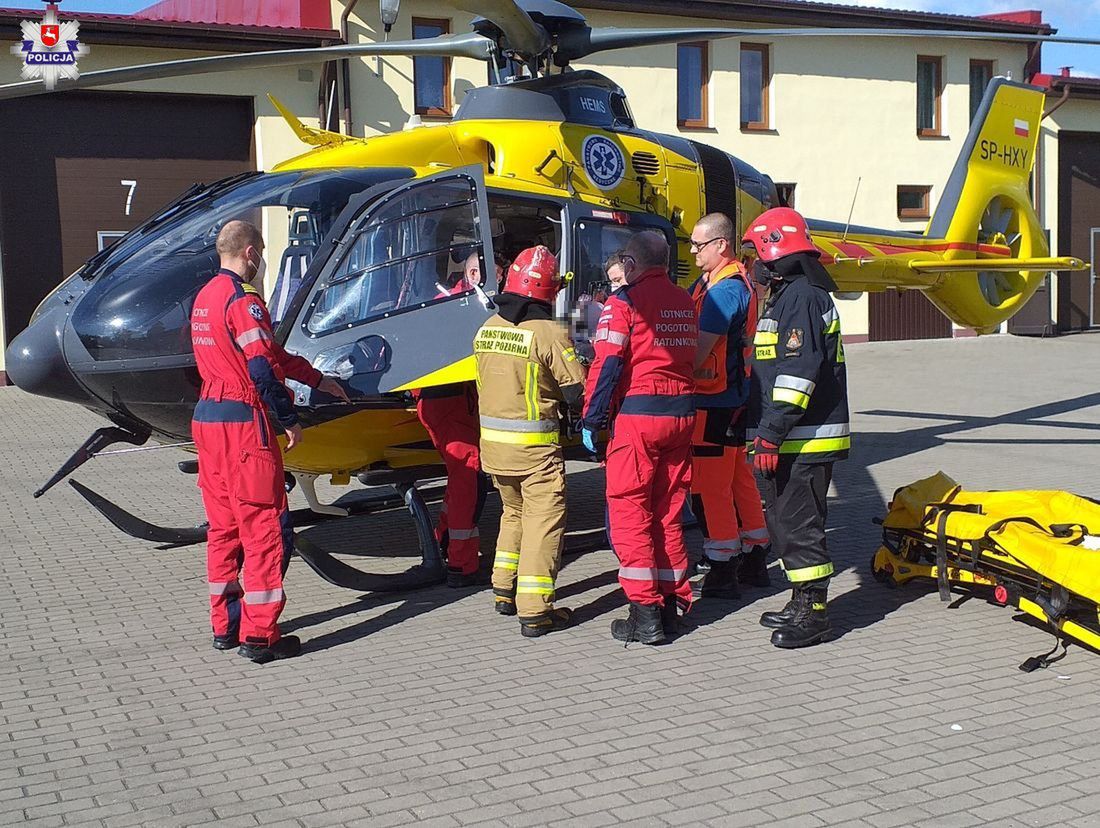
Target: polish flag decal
(1022,128)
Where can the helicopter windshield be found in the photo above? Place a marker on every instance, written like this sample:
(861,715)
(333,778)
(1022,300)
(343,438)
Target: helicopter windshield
(409,253)
(140,302)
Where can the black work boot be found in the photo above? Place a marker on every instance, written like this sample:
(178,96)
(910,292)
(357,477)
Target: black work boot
(643,624)
(810,624)
(670,618)
(721,581)
(775,620)
(557,618)
(226,642)
(753,569)
(286,647)
(504,601)
(457,579)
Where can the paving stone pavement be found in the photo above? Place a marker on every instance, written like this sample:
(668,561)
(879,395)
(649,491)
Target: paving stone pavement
(429,708)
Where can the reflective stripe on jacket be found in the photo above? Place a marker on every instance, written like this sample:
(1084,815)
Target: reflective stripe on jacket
(645,348)
(521,370)
(800,385)
(727,365)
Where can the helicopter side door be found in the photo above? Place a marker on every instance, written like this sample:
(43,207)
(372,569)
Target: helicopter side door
(392,308)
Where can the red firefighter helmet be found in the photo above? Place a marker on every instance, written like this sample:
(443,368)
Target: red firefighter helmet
(534,274)
(778,232)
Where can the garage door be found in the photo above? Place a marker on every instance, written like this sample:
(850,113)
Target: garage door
(87,166)
(905,314)
(1078,226)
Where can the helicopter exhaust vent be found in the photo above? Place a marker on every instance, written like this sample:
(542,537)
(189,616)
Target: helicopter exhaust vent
(645,163)
(683,269)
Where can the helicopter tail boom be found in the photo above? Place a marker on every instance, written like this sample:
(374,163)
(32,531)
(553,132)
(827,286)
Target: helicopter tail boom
(984,251)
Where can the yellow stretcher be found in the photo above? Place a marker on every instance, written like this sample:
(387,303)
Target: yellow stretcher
(1036,551)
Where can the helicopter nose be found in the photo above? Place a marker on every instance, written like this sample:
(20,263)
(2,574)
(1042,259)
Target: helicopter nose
(36,362)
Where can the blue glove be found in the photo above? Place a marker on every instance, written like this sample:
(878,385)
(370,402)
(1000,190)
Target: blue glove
(588,437)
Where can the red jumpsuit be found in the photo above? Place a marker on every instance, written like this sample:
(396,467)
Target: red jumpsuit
(240,464)
(642,375)
(449,413)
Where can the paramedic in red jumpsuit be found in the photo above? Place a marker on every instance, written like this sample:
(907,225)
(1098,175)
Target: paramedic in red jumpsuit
(642,378)
(240,468)
(449,413)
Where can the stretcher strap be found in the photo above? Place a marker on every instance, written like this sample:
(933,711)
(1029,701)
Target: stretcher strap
(943,512)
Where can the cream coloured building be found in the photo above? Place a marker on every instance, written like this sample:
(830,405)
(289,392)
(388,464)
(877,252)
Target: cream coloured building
(828,114)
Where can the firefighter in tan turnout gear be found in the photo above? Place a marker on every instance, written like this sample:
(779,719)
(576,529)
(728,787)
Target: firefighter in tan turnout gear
(526,369)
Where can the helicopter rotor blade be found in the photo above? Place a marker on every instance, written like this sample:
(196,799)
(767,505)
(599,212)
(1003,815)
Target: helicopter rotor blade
(579,43)
(521,34)
(469,45)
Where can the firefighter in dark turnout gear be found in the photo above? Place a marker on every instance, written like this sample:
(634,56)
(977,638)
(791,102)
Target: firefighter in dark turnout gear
(802,414)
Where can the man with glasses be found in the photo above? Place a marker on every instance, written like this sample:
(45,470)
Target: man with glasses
(724,494)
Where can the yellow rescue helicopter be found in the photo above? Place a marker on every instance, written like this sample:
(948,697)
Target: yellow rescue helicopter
(371,286)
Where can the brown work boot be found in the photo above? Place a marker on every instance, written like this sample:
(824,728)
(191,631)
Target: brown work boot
(504,601)
(556,618)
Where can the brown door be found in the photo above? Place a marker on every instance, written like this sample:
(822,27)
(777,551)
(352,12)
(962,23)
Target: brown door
(905,314)
(78,168)
(1094,249)
(1079,216)
(99,199)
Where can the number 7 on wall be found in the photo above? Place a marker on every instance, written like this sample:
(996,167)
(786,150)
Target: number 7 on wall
(126,182)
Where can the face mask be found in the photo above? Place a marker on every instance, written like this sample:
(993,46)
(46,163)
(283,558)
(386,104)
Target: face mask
(762,274)
(258,277)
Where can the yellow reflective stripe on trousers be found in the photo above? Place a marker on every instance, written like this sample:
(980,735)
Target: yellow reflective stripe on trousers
(534,585)
(815,446)
(808,573)
(506,560)
(789,395)
(520,438)
(531,391)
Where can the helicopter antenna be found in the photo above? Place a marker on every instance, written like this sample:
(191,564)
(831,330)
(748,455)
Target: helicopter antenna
(851,210)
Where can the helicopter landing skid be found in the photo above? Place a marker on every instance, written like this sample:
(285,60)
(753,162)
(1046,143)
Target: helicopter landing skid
(135,527)
(426,573)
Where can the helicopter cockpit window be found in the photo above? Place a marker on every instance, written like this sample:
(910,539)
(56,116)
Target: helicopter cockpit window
(408,253)
(140,301)
(599,246)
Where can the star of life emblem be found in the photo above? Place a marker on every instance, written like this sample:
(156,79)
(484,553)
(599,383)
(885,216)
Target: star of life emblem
(604,163)
(50,48)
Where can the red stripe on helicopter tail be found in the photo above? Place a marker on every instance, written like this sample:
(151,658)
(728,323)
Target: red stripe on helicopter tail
(855,251)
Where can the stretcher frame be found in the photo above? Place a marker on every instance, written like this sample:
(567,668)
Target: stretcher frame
(982,567)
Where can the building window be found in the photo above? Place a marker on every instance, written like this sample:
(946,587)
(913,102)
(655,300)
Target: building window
(981,73)
(755,80)
(692,73)
(786,194)
(913,201)
(431,75)
(929,93)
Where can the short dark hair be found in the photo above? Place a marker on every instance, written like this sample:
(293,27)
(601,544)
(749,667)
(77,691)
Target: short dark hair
(649,249)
